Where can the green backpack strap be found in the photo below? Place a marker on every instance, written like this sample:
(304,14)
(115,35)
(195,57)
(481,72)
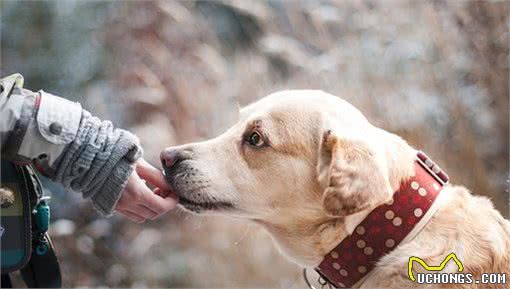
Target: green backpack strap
(43,270)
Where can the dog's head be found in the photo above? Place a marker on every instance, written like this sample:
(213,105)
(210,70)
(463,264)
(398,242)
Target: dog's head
(295,162)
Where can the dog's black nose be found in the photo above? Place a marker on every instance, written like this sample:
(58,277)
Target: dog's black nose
(172,156)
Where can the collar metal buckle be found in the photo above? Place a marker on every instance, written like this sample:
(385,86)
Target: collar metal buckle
(322,282)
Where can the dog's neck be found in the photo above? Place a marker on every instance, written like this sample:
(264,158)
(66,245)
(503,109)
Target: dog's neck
(388,225)
(307,241)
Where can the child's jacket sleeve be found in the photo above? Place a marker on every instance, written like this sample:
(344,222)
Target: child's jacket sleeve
(66,143)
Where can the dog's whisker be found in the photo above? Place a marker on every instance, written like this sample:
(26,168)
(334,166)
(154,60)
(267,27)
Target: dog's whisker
(243,236)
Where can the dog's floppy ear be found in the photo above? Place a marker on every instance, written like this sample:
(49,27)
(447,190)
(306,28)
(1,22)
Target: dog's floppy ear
(353,178)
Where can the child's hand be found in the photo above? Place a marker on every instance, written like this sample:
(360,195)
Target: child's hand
(138,202)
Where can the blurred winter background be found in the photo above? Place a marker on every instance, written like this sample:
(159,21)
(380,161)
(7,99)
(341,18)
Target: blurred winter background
(173,72)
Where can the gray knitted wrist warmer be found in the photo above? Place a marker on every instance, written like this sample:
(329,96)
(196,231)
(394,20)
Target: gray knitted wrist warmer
(107,198)
(98,162)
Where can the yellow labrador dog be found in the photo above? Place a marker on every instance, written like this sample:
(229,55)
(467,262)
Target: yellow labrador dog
(323,181)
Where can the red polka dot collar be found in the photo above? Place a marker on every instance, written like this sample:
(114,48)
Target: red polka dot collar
(385,227)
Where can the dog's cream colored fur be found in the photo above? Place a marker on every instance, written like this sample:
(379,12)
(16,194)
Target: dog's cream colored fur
(321,169)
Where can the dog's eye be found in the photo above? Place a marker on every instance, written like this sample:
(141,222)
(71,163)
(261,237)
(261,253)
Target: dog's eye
(255,139)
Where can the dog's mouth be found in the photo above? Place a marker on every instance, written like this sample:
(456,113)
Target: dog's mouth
(199,206)
(193,194)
